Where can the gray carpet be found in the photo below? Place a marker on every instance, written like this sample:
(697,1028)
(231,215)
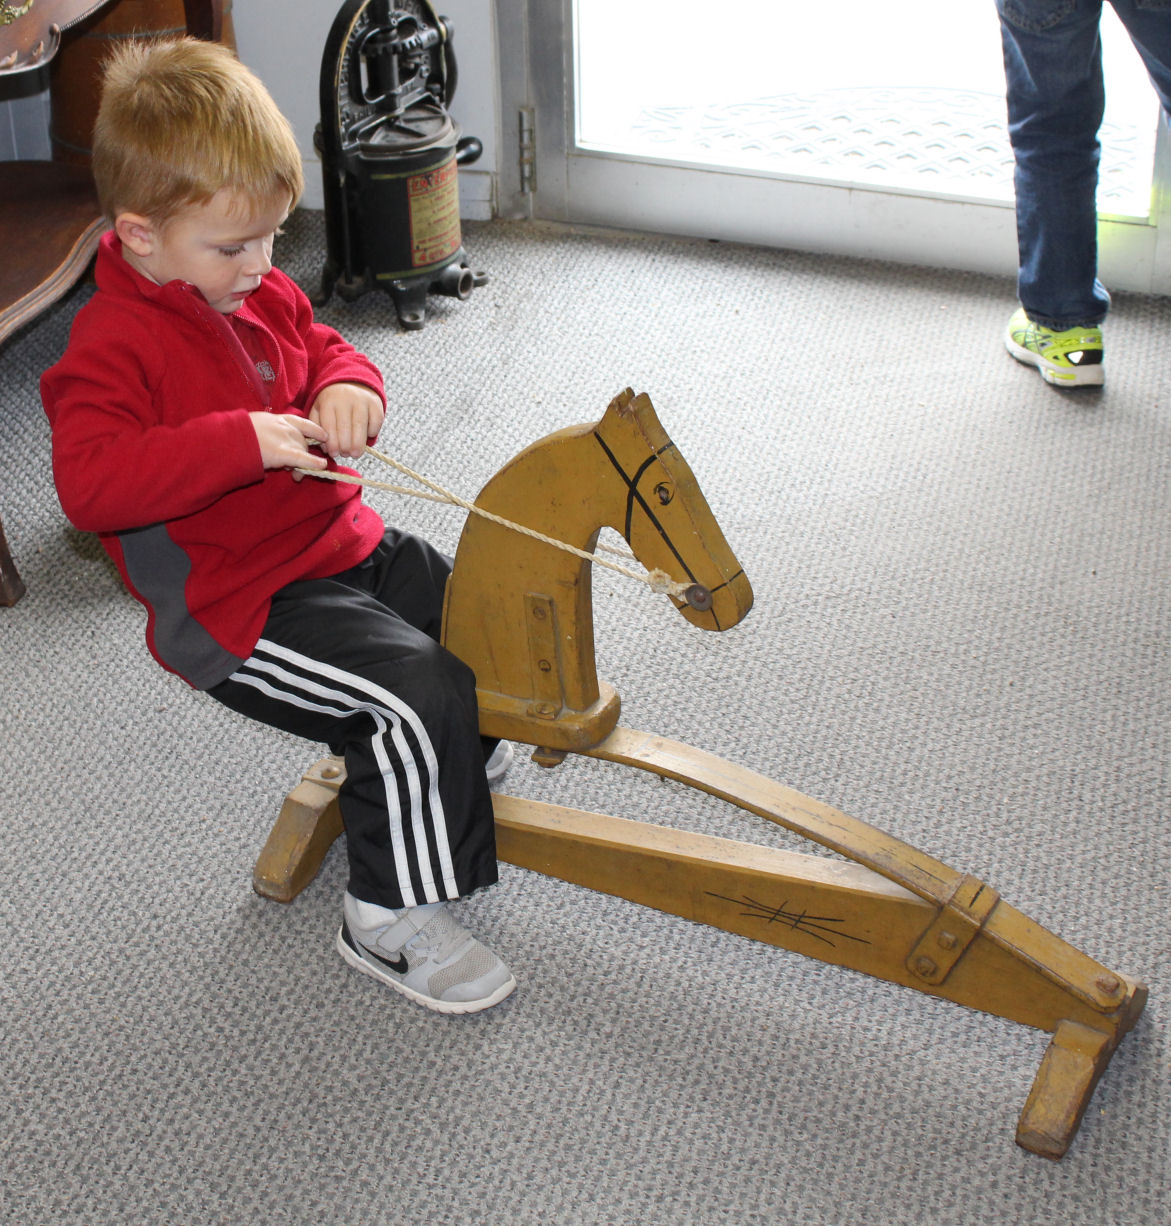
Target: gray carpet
(960,636)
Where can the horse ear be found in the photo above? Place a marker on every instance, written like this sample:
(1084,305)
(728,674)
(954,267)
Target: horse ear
(637,413)
(621,403)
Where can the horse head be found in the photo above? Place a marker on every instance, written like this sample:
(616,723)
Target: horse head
(664,517)
(519,611)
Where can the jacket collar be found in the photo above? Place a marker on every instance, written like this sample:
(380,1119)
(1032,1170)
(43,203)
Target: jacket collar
(115,274)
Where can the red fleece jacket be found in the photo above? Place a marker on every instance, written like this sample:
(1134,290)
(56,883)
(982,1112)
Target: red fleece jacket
(153,450)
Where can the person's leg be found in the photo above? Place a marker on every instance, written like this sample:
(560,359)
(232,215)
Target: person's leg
(409,575)
(338,665)
(335,664)
(1148,22)
(1055,95)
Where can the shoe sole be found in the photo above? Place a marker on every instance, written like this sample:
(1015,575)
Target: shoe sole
(1058,376)
(355,959)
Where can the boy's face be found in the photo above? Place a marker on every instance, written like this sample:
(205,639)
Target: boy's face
(223,247)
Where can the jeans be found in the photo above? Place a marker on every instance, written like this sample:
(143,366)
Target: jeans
(1053,74)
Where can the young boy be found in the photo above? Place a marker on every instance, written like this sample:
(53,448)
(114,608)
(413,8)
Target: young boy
(194,383)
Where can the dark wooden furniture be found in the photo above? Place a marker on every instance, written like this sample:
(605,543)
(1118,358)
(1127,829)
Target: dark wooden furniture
(49,217)
(50,222)
(50,226)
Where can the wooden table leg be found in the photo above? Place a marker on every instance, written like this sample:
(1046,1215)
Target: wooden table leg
(11,586)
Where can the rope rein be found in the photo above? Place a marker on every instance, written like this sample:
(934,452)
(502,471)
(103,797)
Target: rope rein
(657,580)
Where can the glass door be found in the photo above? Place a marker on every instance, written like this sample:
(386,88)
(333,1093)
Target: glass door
(861,129)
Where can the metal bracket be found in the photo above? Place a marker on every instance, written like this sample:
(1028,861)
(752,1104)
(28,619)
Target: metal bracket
(527,149)
(955,926)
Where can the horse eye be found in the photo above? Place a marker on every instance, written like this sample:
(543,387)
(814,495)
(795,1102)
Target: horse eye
(665,493)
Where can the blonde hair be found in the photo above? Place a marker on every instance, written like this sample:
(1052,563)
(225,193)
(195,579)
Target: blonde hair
(182,120)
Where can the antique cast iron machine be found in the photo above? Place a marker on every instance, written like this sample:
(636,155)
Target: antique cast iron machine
(389,155)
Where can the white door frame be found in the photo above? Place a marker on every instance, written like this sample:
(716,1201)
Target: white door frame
(579,186)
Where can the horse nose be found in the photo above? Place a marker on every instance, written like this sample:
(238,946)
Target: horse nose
(718,608)
(698,597)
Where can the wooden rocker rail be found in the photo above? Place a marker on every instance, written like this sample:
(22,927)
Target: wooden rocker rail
(893,912)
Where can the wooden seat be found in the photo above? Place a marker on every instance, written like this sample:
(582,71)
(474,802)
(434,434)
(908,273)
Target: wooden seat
(50,218)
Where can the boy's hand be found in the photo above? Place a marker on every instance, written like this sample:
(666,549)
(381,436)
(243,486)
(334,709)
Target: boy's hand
(351,414)
(284,441)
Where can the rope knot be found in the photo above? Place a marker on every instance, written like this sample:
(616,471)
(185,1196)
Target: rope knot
(661,583)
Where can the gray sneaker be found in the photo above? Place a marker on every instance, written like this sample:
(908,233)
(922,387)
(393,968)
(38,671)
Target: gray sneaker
(425,953)
(499,762)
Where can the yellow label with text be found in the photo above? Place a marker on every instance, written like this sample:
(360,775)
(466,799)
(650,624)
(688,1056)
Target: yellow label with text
(433,203)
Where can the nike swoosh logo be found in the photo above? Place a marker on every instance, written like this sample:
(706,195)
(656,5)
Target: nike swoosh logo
(399,965)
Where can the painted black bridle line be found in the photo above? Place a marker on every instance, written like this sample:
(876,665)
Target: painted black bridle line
(731,579)
(632,495)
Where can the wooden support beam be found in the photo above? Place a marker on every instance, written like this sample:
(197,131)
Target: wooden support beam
(950,937)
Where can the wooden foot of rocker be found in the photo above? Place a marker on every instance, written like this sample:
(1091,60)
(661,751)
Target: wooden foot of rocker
(888,910)
(306,828)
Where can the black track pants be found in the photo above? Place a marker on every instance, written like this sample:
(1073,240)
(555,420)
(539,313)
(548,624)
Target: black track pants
(353,661)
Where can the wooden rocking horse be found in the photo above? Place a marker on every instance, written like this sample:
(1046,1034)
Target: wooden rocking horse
(519,611)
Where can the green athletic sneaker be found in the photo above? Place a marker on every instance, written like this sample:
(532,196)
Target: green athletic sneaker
(1066,359)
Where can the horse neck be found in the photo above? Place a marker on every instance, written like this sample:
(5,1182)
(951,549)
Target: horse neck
(514,601)
(561,486)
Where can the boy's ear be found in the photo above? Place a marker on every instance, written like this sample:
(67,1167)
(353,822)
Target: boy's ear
(137,233)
